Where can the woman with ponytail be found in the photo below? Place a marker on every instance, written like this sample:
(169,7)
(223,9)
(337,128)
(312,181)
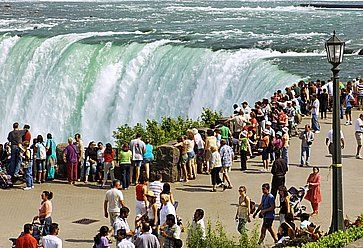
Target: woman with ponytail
(45,211)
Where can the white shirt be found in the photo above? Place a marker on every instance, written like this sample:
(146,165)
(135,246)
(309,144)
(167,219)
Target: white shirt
(215,160)
(316,105)
(51,241)
(120,223)
(329,136)
(199,224)
(199,141)
(165,210)
(125,244)
(359,125)
(113,197)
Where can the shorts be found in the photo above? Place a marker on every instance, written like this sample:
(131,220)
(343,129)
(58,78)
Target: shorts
(137,163)
(358,137)
(267,222)
(226,169)
(191,155)
(348,110)
(265,154)
(183,159)
(40,163)
(147,160)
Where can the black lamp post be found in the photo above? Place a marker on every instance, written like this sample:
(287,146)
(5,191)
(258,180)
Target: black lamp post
(335,48)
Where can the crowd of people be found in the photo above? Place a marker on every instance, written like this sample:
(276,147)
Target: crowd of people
(264,129)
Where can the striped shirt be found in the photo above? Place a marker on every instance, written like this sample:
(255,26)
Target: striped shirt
(157,188)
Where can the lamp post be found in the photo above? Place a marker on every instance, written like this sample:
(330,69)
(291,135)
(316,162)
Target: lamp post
(335,48)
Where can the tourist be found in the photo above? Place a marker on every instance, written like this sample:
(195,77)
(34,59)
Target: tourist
(199,142)
(210,141)
(146,239)
(171,233)
(45,212)
(141,199)
(243,209)
(148,157)
(244,149)
(100,162)
(101,239)
(152,211)
(51,160)
(313,195)
(191,155)
(157,187)
(122,241)
(52,240)
(125,163)
(291,115)
(27,135)
(26,240)
(218,135)
(40,156)
(304,221)
(277,143)
(215,167)
(167,191)
(359,135)
(71,159)
(285,146)
(265,142)
(138,148)
(225,133)
(166,209)
(285,207)
(183,157)
(239,122)
(267,212)
(15,138)
(314,114)
(278,171)
(90,162)
(227,156)
(272,136)
(121,222)
(329,141)
(198,222)
(324,101)
(114,201)
(108,155)
(27,165)
(359,87)
(80,153)
(307,138)
(349,102)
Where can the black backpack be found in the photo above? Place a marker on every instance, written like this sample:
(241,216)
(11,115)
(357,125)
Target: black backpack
(50,150)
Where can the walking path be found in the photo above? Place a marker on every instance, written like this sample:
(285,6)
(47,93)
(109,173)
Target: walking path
(72,203)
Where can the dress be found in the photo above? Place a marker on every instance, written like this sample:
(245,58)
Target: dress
(313,195)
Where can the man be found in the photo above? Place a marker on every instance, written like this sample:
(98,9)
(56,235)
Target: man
(200,152)
(286,144)
(278,171)
(314,114)
(122,240)
(146,239)
(121,222)
(359,134)
(138,148)
(71,159)
(307,138)
(359,87)
(349,101)
(27,240)
(239,121)
(15,138)
(267,208)
(80,152)
(225,133)
(114,201)
(157,188)
(246,109)
(51,156)
(171,232)
(227,156)
(198,221)
(329,141)
(51,240)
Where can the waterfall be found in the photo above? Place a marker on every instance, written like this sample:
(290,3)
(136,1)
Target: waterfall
(65,85)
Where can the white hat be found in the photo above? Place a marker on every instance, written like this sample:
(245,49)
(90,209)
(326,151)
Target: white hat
(268,123)
(279,133)
(244,133)
(285,129)
(195,131)
(266,131)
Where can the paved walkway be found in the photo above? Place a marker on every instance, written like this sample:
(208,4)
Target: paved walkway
(72,203)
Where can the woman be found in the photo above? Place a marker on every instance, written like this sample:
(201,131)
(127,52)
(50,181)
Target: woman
(215,167)
(45,212)
(166,208)
(191,155)
(101,239)
(285,207)
(90,162)
(243,210)
(210,141)
(313,195)
(152,211)
(166,191)
(148,157)
(40,156)
(109,156)
(125,163)
(265,142)
(141,200)
(182,158)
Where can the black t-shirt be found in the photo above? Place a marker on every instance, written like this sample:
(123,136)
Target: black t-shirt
(15,137)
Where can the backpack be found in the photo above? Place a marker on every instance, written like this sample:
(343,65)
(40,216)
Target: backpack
(50,150)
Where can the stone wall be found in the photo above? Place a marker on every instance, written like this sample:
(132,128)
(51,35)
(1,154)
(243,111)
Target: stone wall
(166,163)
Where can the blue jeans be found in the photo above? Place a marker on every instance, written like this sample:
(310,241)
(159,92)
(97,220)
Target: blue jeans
(305,154)
(285,155)
(29,175)
(125,175)
(315,123)
(15,161)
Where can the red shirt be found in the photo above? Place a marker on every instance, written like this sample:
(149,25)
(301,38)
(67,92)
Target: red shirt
(109,156)
(26,241)
(27,136)
(139,192)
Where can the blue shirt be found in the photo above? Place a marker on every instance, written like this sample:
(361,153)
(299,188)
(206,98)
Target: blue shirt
(226,155)
(267,202)
(51,143)
(348,101)
(149,152)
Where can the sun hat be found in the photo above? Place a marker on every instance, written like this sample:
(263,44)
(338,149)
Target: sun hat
(150,193)
(268,123)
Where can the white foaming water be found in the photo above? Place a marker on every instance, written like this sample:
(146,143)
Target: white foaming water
(63,86)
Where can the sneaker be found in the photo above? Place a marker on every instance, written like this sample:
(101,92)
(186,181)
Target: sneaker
(32,187)
(358,157)
(347,123)
(317,131)
(27,188)
(350,123)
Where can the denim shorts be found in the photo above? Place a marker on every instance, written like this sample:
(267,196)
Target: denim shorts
(191,155)
(40,165)
(147,160)
(137,163)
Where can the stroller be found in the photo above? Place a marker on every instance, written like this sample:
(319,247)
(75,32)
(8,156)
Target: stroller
(37,234)
(297,196)
(5,179)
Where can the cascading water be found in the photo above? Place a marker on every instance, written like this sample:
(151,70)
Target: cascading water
(63,85)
